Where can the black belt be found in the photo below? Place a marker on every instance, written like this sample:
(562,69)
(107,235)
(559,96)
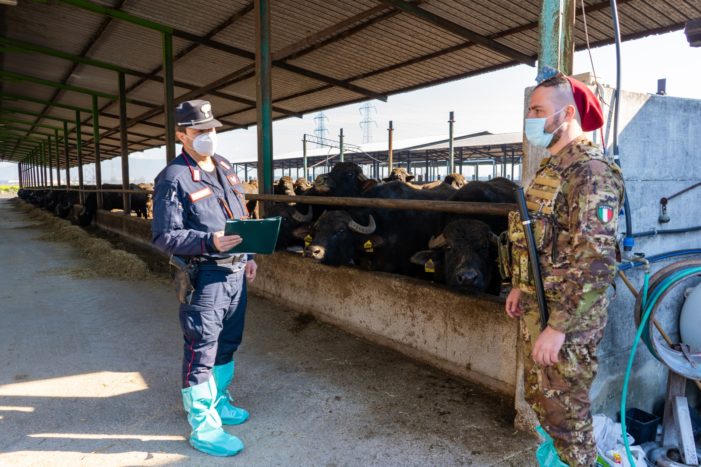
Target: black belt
(229,261)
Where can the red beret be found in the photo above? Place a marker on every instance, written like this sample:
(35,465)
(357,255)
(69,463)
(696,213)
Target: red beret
(588,105)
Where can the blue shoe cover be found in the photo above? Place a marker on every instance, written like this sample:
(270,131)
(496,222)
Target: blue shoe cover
(207,434)
(229,414)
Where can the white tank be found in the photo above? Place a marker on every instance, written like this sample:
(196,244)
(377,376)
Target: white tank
(690,319)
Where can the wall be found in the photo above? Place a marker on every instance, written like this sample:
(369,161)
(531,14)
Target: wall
(659,141)
(469,336)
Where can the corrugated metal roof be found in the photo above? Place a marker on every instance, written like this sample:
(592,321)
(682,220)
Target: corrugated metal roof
(326,53)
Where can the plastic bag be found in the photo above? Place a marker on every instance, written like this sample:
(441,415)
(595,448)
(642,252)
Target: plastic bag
(609,445)
(546,452)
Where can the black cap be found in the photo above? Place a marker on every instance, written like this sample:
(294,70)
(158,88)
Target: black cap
(196,114)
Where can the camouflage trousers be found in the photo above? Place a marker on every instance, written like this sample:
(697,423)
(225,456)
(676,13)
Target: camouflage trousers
(559,394)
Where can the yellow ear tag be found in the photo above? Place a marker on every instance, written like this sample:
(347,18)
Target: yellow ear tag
(368,246)
(307,241)
(429,266)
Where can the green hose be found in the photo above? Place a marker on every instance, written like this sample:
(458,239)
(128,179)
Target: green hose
(647,306)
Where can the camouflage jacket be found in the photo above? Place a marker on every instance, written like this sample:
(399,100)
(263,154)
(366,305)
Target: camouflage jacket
(574,201)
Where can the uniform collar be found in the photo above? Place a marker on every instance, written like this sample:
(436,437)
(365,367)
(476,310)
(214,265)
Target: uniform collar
(567,155)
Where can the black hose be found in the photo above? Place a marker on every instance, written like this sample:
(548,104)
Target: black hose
(628,241)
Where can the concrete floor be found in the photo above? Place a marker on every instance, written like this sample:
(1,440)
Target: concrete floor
(90,376)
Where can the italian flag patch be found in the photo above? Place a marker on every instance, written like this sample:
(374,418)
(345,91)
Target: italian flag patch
(604,212)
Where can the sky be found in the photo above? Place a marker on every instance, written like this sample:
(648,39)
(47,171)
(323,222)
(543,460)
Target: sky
(492,102)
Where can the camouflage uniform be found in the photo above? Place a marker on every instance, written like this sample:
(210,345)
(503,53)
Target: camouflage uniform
(574,202)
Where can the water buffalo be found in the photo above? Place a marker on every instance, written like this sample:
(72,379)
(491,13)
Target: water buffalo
(465,254)
(346,179)
(379,239)
(284,186)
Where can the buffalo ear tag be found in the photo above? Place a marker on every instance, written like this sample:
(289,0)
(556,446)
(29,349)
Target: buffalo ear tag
(368,246)
(429,266)
(307,240)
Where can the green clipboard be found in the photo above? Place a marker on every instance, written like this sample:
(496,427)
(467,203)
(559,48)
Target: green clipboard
(259,235)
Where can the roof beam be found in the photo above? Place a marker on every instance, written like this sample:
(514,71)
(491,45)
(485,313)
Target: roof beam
(461,31)
(12,45)
(111,12)
(11,76)
(84,51)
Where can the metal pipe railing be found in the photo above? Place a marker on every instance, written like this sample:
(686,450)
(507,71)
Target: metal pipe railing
(453,207)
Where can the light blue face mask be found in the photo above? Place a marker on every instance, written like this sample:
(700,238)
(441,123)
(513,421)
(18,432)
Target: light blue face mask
(535,131)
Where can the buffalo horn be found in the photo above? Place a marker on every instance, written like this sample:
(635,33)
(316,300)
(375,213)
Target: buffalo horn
(363,229)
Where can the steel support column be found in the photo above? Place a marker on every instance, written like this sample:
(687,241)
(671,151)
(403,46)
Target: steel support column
(390,136)
(19,175)
(44,175)
(264,95)
(451,146)
(126,198)
(79,154)
(67,154)
(58,158)
(556,52)
(96,148)
(305,162)
(168,97)
(340,146)
(51,162)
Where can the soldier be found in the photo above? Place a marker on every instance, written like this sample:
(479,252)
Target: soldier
(194,196)
(573,201)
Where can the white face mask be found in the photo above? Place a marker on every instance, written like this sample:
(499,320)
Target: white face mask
(205,143)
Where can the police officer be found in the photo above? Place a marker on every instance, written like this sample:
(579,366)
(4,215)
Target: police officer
(573,201)
(193,198)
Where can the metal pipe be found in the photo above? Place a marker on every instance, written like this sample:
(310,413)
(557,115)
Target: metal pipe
(67,154)
(304,157)
(19,175)
(126,199)
(451,148)
(340,145)
(455,207)
(96,148)
(79,153)
(390,136)
(264,95)
(168,97)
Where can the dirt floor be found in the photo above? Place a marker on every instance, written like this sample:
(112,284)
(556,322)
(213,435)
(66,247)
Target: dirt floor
(90,376)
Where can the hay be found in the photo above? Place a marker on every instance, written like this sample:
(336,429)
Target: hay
(103,258)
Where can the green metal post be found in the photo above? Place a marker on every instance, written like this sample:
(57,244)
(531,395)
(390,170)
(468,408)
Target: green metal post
(304,157)
(556,25)
(19,175)
(51,162)
(58,158)
(67,154)
(340,146)
(79,154)
(44,175)
(168,98)
(451,148)
(264,95)
(96,146)
(126,199)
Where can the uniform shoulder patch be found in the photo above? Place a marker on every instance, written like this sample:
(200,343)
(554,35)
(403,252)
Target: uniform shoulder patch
(604,212)
(225,165)
(234,179)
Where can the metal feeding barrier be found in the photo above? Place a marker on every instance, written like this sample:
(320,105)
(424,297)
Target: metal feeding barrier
(453,207)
